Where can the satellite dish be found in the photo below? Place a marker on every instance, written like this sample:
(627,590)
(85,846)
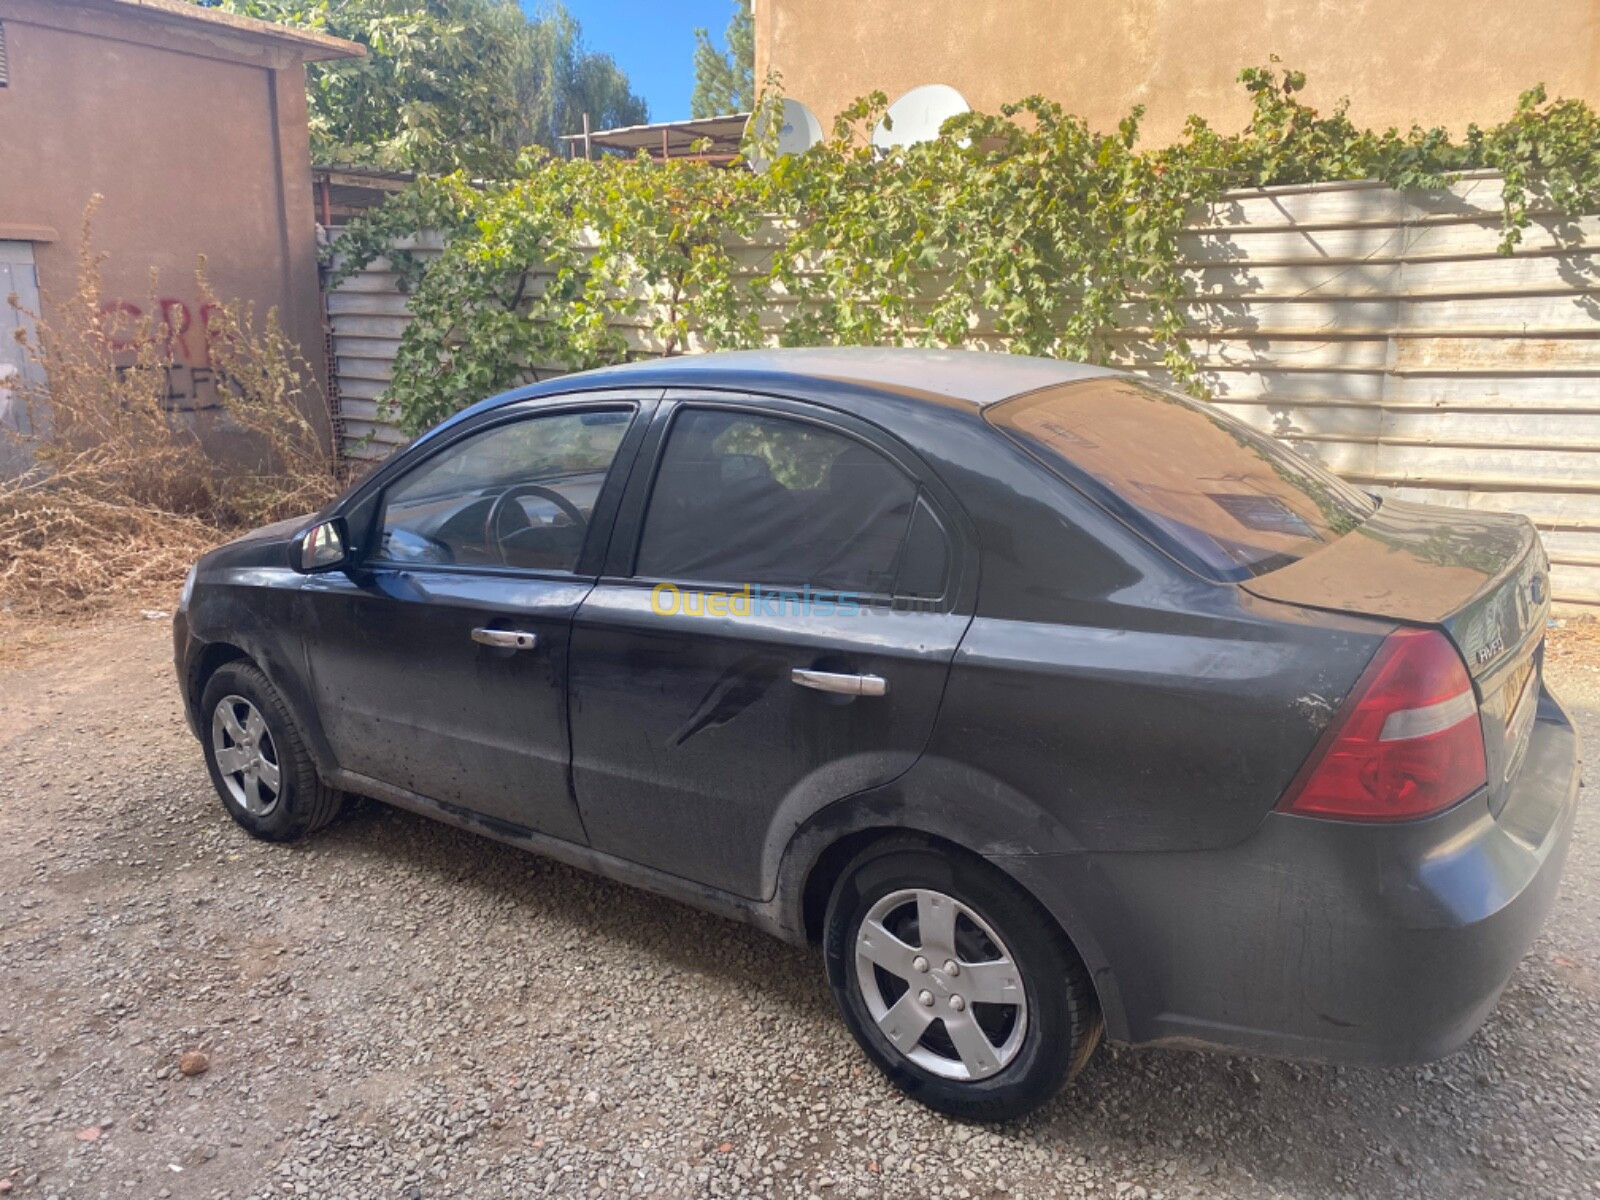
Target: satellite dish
(798,131)
(917,115)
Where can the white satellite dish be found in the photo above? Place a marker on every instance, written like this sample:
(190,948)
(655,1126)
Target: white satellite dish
(798,130)
(917,115)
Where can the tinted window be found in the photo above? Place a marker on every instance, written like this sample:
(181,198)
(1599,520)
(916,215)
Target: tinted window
(517,495)
(1224,498)
(744,499)
(925,560)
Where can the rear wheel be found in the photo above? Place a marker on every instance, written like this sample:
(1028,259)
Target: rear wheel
(258,760)
(955,982)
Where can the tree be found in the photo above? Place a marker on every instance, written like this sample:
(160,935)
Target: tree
(560,81)
(449,84)
(725,82)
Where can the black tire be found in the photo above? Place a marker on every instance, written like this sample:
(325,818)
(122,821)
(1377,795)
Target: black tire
(1060,1020)
(303,803)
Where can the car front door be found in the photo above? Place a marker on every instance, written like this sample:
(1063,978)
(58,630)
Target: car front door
(439,658)
(781,605)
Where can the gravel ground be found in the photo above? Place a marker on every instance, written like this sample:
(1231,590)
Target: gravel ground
(399,1009)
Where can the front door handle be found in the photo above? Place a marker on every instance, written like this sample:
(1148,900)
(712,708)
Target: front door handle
(506,639)
(843,685)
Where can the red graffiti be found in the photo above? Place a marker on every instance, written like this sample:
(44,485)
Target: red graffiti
(191,384)
(175,320)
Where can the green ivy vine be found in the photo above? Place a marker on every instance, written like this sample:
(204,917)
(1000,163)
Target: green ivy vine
(1062,240)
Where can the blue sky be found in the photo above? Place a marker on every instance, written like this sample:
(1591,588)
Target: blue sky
(653,41)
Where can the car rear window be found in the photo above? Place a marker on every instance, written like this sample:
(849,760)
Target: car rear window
(1213,492)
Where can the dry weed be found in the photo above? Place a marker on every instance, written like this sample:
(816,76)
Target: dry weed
(122,496)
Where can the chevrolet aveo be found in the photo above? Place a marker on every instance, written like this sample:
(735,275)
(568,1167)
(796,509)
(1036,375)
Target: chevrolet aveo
(1053,704)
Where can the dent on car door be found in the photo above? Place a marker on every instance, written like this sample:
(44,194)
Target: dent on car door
(439,659)
(773,634)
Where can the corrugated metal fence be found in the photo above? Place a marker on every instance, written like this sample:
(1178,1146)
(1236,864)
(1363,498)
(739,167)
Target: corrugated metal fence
(1375,330)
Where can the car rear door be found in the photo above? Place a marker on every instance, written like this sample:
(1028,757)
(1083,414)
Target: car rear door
(439,658)
(784,595)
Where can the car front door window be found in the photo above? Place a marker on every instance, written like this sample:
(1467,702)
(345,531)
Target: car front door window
(515,495)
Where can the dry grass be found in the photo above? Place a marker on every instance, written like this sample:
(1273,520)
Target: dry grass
(1574,637)
(122,496)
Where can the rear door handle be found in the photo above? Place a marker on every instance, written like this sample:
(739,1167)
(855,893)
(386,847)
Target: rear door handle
(843,685)
(506,639)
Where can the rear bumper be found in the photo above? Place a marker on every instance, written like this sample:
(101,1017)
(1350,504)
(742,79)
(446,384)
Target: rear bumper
(1325,939)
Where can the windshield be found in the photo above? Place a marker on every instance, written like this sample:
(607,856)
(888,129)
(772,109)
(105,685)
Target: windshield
(1223,498)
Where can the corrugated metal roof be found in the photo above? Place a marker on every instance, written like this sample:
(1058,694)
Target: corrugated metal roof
(312,46)
(343,190)
(725,133)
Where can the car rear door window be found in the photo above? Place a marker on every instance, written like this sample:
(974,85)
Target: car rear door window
(745,498)
(1223,498)
(516,495)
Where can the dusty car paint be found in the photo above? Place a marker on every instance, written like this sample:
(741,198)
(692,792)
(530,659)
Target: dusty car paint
(1107,727)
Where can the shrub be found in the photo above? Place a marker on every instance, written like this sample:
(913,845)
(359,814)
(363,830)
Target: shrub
(1029,223)
(121,495)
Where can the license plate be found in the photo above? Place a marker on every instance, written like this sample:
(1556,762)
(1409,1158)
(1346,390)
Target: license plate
(1519,724)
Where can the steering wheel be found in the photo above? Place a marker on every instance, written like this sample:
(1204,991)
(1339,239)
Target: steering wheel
(491,521)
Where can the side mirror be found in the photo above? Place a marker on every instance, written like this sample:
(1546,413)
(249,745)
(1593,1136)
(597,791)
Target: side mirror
(320,548)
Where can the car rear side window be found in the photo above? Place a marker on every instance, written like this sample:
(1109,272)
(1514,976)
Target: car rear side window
(516,495)
(741,498)
(1223,498)
(925,559)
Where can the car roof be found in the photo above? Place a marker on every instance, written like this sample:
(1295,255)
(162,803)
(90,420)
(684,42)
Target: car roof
(875,383)
(975,377)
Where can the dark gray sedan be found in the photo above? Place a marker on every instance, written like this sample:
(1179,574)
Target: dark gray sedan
(1051,703)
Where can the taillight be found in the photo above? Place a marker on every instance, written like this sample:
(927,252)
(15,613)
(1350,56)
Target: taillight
(1406,743)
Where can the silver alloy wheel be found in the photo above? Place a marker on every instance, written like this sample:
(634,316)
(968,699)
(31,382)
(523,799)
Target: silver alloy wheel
(246,758)
(952,963)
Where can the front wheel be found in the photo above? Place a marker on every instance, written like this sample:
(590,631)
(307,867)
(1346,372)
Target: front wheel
(258,760)
(962,990)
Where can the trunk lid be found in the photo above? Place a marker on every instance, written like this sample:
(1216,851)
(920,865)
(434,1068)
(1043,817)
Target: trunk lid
(1481,577)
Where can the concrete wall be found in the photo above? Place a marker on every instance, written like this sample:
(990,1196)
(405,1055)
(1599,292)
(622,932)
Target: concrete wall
(1434,62)
(195,134)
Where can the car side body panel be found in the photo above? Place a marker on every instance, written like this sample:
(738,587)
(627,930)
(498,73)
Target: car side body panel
(1236,705)
(1078,650)
(407,697)
(691,742)
(1333,940)
(249,601)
